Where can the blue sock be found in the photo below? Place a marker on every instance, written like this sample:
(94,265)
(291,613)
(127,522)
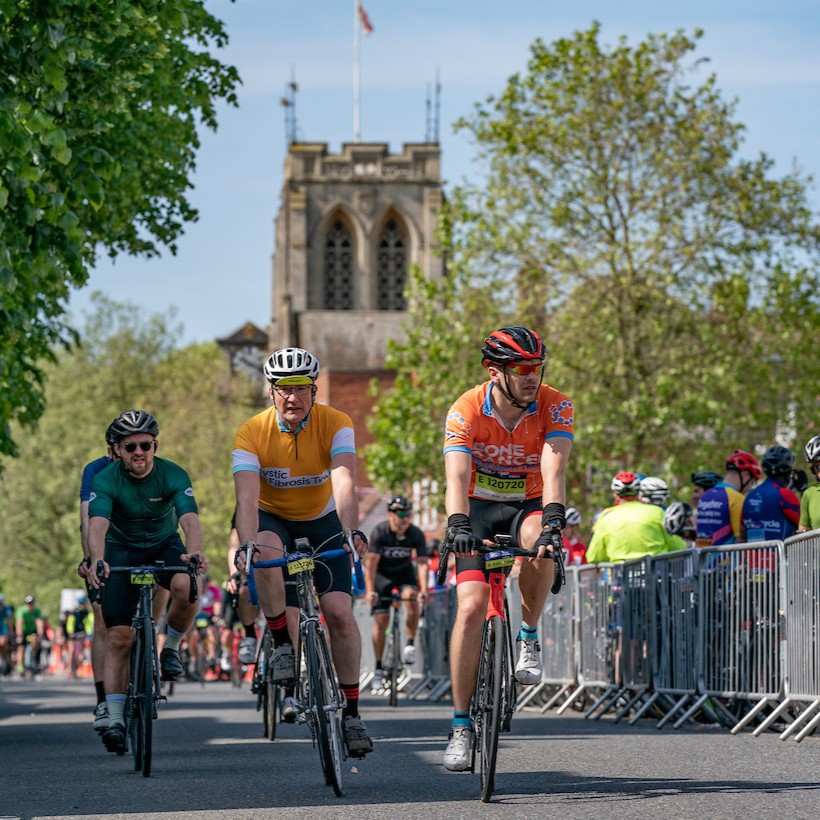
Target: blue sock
(527,633)
(461,719)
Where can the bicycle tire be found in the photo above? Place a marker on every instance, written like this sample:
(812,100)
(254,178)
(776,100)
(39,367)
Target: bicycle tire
(395,661)
(271,695)
(146,696)
(318,690)
(491,702)
(133,711)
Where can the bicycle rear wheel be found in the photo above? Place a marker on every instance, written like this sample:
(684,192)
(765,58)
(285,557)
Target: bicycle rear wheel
(490,701)
(327,729)
(133,710)
(270,692)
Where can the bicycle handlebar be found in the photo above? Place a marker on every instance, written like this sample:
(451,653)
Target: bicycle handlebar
(252,548)
(191,568)
(504,542)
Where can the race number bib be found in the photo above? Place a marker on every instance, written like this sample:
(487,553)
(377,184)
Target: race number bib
(500,488)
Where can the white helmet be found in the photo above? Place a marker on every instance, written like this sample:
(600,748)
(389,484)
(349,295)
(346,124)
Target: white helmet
(675,517)
(291,365)
(653,490)
(625,483)
(813,449)
(573,516)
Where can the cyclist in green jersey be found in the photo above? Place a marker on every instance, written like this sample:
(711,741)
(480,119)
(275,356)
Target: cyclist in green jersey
(810,502)
(137,505)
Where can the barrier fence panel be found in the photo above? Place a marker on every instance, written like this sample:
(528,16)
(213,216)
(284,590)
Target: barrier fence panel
(673,636)
(556,629)
(738,636)
(596,628)
(801,616)
(439,614)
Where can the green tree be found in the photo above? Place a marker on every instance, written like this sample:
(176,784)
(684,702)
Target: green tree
(676,282)
(100,105)
(129,361)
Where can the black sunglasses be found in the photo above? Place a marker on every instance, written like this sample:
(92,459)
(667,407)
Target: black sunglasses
(145,446)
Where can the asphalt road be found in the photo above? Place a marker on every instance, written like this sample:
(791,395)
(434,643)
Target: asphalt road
(211,761)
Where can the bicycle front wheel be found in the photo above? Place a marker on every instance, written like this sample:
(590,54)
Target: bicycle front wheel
(270,694)
(327,728)
(146,695)
(395,660)
(490,701)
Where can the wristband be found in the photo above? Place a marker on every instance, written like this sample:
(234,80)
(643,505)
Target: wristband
(554,515)
(459,521)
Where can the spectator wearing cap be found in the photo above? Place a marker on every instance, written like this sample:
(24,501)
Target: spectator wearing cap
(771,510)
(720,508)
(631,529)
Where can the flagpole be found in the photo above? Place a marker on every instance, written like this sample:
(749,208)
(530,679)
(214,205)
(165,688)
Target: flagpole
(357,74)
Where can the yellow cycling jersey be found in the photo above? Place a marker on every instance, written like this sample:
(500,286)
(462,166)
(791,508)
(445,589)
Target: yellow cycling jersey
(294,468)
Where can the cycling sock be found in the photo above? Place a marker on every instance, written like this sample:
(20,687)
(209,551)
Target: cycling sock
(116,709)
(278,626)
(411,641)
(250,630)
(351,693)
(173,639)
(100,689)
(461,719)
(527,633)
(379,666)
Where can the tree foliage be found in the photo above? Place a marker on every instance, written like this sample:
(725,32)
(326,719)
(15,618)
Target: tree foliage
(675,281)
(100,104)
(128,360)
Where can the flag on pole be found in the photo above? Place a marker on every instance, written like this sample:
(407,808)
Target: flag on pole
(367,26)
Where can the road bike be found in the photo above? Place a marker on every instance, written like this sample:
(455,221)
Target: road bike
(319,698)
(144,694)
(392,664)
(494,698)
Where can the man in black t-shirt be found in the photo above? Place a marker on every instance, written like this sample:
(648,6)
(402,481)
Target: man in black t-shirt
(389,563)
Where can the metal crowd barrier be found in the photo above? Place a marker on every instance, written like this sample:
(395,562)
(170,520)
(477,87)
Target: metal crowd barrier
(726,632)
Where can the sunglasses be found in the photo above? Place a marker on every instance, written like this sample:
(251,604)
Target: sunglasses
(402,513)
(524,369)
(145,446)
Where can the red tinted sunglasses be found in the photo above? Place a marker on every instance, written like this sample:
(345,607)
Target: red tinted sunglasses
(524,369)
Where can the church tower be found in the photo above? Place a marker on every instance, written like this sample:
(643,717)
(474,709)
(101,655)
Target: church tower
(349,227)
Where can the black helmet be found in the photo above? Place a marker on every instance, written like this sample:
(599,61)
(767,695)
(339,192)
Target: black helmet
(512,344)
(777,461)
(399,503)
(110,436)
(132,422)
(706,479)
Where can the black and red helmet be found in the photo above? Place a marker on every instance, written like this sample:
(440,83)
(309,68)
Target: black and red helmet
(512,344)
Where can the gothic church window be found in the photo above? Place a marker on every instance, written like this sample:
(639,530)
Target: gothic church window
(391,268)
(338,268)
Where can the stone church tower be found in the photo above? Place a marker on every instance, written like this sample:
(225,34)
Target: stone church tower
(349,227)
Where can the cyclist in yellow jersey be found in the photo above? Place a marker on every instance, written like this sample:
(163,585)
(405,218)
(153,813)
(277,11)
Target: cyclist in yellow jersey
(294,468)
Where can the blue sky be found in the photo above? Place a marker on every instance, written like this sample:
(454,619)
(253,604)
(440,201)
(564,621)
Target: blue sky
(764,52)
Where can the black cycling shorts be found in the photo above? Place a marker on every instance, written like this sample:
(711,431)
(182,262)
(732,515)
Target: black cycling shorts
(488,519)
(334,575)
(119,595)
(406,577)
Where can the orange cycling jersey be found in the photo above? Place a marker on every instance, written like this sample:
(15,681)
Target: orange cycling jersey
(294,468)
(506,465)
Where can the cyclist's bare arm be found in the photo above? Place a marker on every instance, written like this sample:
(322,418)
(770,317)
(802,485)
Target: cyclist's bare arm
(371,563)
(97,528)
(554,458)
(247,485)
(192,528)
(343,479)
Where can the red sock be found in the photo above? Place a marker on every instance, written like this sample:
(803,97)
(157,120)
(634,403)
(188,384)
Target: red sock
(351,693)
(278,626)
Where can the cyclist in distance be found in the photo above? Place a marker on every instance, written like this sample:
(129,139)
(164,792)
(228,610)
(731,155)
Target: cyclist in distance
(388,564)
(294,468)
(137,505)
(810,502)
(506,446)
